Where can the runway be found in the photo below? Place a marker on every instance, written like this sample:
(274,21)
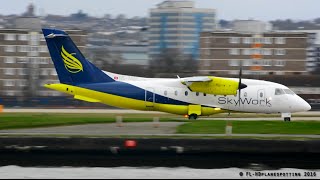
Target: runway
(145,129)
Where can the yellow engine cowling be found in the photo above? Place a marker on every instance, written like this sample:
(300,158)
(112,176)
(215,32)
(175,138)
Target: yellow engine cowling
(218,86)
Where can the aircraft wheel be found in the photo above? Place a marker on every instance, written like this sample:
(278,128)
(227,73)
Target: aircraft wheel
(193,116)
(287,119)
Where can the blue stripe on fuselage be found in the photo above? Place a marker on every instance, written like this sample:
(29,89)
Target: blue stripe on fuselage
(129,91)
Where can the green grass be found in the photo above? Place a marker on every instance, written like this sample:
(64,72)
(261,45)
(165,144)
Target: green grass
(251,127)
(33,120)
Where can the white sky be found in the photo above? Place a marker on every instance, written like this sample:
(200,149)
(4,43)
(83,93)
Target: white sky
(226,9)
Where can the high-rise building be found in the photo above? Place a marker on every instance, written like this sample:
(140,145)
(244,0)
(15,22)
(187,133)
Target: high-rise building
(177,25)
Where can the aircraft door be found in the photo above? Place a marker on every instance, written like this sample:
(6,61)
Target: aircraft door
(149,97)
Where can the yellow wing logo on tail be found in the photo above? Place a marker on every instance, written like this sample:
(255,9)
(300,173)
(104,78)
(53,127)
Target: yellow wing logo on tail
(72,64)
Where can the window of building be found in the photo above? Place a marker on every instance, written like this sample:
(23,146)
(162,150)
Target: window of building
(267,40)
(8,83)
(233,72)
(258,40)
(279,62)
(207,52)
(23,48)
(43,60)
(234,40)
(44,72)
(207,63)
(9,71)
(53,72)
(247,62)
(234,62)
(9,37)
(247,40)
(10,93)
(256,62)
(234,51)
(9,49)
(267,62)
(207,40)
(246,51)
(280,52)
(280,40)
(41,37)
(23,37)
(22,72)
(22,83)
(22,60)
(257,51)
(9,60)
(266,51)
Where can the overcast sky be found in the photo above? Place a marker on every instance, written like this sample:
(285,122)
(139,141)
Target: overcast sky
(226,9)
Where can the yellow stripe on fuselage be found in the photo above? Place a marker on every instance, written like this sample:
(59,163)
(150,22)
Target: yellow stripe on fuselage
(127,103)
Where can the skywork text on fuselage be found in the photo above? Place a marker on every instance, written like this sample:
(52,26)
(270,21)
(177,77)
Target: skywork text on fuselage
(244,101)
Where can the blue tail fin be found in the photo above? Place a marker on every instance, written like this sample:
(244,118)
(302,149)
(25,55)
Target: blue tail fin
(72,67)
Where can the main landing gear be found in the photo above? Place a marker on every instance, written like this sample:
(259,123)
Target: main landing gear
(193,116)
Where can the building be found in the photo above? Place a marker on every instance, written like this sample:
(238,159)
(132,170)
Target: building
(251,26)
(313,51)
(25,63)
(177,25)
(268,53)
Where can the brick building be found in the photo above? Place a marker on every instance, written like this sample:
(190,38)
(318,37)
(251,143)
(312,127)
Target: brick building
(266,53)
(25,63)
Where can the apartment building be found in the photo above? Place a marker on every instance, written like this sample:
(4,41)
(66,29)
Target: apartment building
(25,63)
(266,53)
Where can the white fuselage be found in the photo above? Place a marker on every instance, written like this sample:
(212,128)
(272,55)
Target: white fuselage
(259,96)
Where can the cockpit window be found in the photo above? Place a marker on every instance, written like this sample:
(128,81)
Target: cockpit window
(279,91)
(288,91)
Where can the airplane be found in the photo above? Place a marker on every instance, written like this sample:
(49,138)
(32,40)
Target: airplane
(190,96)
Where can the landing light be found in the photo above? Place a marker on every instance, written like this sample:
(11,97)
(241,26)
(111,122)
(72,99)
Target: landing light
(270,98)
(186,116)
(217,109)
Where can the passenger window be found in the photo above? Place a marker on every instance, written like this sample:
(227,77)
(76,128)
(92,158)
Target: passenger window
(204,94)
(165,93)
(186,93)
(261,94)
(176,93)
(279,91)
(197,93)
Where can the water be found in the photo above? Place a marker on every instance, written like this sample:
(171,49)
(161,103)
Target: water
(17,172)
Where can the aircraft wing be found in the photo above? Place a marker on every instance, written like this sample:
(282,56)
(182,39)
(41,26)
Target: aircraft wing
(211,85)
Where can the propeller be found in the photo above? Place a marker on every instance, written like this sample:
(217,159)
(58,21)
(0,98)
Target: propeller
(240,85)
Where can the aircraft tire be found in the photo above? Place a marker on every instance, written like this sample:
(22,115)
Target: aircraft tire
(193,116)
(287,119)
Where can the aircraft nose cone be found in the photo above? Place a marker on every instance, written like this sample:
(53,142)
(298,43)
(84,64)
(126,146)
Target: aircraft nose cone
(305,106)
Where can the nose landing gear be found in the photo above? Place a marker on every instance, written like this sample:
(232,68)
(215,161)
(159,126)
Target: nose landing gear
(286,116)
